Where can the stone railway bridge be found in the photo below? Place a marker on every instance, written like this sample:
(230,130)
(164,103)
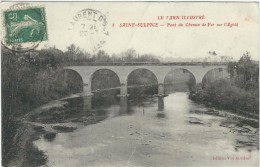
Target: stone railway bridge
(160,71)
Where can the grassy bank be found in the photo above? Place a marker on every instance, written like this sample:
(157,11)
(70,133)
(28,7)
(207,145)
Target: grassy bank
(26,84)
(223,95)
(23,152)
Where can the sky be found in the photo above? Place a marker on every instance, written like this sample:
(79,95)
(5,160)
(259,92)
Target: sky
(174,42)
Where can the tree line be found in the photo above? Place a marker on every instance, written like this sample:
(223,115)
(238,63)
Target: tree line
(76,54)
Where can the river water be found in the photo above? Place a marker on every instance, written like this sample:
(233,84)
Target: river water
(177,136)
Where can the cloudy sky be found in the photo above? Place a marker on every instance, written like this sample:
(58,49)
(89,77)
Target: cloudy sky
(184,42)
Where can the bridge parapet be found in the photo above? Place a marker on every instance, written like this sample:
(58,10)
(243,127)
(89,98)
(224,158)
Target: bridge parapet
(145,64)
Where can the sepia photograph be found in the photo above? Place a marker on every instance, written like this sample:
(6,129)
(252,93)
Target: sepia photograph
(129,84)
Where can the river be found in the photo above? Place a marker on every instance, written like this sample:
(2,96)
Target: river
(177,136)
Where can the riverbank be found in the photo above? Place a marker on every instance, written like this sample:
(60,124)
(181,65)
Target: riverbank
(223,95)
(229,115)
(47,121)
(236,124)
(23,152)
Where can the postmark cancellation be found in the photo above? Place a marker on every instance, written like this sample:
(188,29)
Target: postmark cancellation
(90,27)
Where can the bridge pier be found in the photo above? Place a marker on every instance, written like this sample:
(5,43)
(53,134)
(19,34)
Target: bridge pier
(160,89)
(123,89)
(160,97)
(87,90)
(87,97)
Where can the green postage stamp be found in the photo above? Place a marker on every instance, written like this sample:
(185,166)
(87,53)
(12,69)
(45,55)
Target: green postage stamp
(25,25)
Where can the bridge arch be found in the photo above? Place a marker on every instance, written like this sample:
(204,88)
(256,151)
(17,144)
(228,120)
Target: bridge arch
(142,77)
(106,81)
(71,81)
(214,75)
(186,77)
(104,86)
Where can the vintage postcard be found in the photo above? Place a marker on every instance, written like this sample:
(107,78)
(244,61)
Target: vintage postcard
(130,84)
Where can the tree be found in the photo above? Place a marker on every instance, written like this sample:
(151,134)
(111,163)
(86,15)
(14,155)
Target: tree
(102,56)
(246,69)
(72,52)
(245,72)
(129,55)
(232,69)
(50,57)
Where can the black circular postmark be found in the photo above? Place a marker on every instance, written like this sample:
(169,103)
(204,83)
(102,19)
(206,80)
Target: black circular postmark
(24,27)
(90,26)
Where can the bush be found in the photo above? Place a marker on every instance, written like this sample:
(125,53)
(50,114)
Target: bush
(223,95)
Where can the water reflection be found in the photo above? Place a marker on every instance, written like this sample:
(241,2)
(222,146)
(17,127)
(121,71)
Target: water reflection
(87,103)
(160,103)
(124,105)
(106,99)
